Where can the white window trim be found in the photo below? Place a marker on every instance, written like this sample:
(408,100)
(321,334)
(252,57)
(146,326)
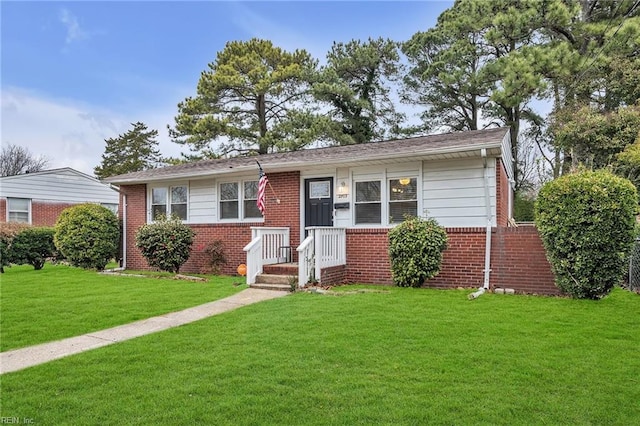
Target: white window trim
(168,187)
(240,219)
(29,208)
(384,177)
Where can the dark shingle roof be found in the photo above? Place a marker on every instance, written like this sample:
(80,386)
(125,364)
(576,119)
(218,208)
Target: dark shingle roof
(410,148)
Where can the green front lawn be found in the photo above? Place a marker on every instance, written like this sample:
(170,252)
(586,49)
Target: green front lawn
(59,301)
(403,356)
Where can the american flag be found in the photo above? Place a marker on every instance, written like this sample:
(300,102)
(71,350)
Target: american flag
(262,189)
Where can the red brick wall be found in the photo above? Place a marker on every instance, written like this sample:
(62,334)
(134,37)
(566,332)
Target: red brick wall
(43,213)
(286,186)
(333,275)
(136,217)
(502,194)
(518,261)
(46,213)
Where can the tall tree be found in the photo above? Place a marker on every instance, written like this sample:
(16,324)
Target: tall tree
(15,159)
(601,75)
(357,82)
(444,75)
(254,98)
(133,151)
(484,60)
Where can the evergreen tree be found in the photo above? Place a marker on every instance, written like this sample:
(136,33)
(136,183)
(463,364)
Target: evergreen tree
(254,98)
(356,82)
(133,151)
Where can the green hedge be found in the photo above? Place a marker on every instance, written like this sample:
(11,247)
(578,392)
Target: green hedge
(33,246)
(587,224)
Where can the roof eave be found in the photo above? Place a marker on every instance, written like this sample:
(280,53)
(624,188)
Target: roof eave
(283,166)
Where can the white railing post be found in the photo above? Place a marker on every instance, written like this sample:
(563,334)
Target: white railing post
(265,249)
(324,247)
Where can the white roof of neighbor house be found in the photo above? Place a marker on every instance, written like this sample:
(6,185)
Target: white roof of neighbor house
(58,185)
(437,147)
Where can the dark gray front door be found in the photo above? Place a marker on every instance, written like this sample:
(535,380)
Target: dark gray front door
(318,202)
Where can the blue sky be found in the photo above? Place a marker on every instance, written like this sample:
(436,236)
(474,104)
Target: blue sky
(76,73)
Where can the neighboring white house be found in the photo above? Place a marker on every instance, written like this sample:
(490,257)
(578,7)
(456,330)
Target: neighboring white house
(38,198)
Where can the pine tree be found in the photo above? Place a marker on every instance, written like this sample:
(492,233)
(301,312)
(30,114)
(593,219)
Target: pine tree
(132,151)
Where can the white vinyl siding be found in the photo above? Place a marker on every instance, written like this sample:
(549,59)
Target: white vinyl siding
(60,185)
(453,192)
(202,201)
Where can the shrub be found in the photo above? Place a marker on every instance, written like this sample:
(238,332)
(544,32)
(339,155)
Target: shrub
(215,256)
(33,246)
(415,249)
(586,222)
(166,244)
(7,233)
(523,208)
(87,235)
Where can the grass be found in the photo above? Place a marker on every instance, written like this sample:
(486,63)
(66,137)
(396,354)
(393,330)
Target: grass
(60,301)
(405,356)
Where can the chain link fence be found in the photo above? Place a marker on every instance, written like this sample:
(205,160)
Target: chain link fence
(634,267)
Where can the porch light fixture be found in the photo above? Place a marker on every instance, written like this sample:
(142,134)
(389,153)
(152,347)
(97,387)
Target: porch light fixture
(404,181)
(343,189)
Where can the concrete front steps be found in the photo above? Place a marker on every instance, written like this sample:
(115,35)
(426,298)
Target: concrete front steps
(277,277)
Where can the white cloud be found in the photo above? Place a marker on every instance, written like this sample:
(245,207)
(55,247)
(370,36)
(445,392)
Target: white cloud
(71,133)
(74,32)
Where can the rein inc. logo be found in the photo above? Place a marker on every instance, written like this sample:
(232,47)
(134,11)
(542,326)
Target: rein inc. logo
(16,420)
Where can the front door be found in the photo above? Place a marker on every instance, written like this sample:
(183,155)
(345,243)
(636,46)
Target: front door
(318,202)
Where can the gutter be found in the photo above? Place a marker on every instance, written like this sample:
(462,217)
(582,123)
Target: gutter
(487,243)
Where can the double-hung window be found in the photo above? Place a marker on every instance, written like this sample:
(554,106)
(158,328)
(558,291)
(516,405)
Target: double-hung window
(385,201)
(368,204)
(169,202)
(18,210)
(403,198)
(238,200)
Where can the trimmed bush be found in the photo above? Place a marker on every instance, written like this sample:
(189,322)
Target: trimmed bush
(166,244)
(8,231)
(33,246)
(587,224)
(415,249)
(87,235)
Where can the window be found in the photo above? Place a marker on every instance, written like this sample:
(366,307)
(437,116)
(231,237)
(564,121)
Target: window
(229,200)
(368,205)
(238,200)
(403,198)
(18,210)
(171,201)
(111,206)
(251,200)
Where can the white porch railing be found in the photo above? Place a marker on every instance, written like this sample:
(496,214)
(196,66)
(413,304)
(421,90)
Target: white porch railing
(266,247)
(323,247)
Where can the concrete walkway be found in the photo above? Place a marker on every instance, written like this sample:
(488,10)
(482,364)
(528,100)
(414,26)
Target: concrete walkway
(19,359)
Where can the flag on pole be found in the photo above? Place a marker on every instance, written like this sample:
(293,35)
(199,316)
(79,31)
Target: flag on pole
(262,189)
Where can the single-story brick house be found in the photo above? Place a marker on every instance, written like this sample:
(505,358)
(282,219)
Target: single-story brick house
(330,210)
(38,198)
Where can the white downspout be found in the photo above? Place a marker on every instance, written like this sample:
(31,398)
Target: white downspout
(487,243)
(124,227)
(124,231)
